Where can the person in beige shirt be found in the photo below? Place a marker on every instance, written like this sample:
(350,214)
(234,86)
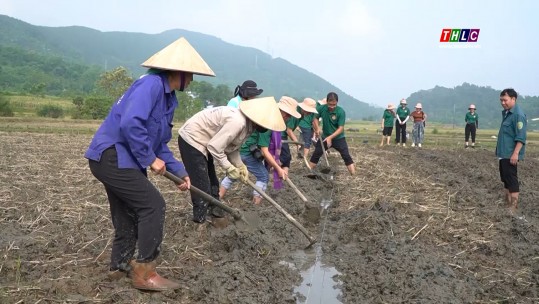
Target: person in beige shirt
(216,135)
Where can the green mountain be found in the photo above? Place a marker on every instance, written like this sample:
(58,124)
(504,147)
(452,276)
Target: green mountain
(233,64)
(449,105)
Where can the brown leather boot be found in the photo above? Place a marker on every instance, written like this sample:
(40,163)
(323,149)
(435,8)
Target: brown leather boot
(145,277)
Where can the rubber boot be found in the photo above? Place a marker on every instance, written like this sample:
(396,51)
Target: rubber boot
(120,271)
(145,277)
(200,208)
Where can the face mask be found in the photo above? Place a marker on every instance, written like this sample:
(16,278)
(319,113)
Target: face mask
(182,82)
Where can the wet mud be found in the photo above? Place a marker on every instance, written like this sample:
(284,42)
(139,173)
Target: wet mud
(413,226)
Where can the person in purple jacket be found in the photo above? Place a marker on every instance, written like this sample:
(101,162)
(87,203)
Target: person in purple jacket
(133,137)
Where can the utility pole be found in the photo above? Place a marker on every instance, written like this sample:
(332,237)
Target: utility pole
(453,116)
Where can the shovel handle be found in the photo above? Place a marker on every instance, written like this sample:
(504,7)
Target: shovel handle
(212,200)
(292,220)
(293,142)
(291,184)
(324,152)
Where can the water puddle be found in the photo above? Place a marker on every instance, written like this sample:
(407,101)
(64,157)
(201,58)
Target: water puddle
(325,203)
(320,282)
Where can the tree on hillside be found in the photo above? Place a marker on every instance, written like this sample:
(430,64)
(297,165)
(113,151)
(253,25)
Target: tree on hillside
(114,83)
(38,89)
(222,95)
(188,106)
(5,107)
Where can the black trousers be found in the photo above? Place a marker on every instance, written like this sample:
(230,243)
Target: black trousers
(400,130)
(137,210)
(203,176)
(285,157)
(470,129)
(509,175)
(339,145)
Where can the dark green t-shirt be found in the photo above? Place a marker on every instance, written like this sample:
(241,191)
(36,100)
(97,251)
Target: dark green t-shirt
(292,123)
(331,121)
(513,129)
(403,113)
(471,118)
(306,121)
(388,118)
(260,139)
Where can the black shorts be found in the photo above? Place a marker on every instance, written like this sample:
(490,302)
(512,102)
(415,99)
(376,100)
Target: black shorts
(508,175)
(387,131)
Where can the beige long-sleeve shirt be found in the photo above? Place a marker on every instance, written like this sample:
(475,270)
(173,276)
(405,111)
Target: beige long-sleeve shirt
(220,131)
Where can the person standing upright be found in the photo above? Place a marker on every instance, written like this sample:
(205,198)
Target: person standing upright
(418,132)
(511,145)
(472,124)
(387,123)
(403,114)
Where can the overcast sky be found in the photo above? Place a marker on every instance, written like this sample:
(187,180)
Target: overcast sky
(376,51)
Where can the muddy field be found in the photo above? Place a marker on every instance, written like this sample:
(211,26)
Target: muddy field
(414,226)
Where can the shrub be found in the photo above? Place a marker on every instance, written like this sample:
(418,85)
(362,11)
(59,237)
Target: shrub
(5,107)
(434,131)
(52,111)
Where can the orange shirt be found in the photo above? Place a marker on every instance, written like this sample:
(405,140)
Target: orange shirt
(418,115)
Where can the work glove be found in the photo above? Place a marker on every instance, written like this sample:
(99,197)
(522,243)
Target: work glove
(244,173)
(233,172)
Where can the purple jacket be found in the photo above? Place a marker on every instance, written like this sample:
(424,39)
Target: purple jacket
(139,125)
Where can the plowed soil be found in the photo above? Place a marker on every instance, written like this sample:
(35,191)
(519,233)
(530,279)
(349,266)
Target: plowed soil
(413,226)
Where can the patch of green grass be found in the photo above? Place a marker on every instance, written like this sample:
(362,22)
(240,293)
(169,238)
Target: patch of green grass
(48,125)
(27,106)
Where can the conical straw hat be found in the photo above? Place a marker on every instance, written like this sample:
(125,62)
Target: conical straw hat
(289,105)
(264,112)
(308,105)
(179,56)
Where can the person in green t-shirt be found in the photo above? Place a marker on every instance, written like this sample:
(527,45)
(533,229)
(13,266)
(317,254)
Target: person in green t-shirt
(472,124)
(332,133)
(291,124)
(403,114)
(387,123)
(308,110)
(511,146)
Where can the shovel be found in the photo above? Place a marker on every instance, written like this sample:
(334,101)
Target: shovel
(298,192)
(292,220)
(327,169)
(236,214)
(311,213)
(286,141)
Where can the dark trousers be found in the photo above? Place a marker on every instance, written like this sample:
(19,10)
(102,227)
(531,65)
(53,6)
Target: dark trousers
(285,156)
(509,175)
(400,131)
(137,209)
(339,145)
(202,174)
(470,129)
